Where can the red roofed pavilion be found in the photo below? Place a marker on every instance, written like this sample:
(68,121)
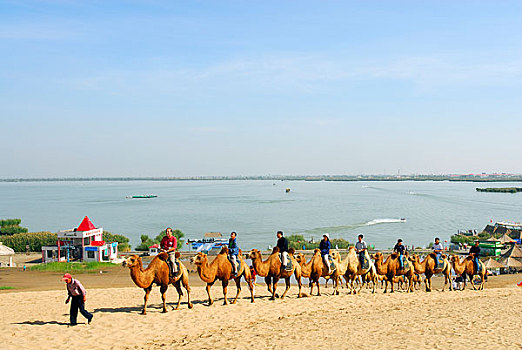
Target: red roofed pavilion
(86,225)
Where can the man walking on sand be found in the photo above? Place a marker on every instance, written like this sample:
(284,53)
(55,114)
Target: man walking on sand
(77,293)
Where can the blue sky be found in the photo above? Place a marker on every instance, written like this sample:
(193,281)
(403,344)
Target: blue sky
(152,88)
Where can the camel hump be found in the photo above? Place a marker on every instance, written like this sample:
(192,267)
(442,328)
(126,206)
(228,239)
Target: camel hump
(224,250)
(275,250)
(291,251)
(394,255)
(163,256)
(316,250)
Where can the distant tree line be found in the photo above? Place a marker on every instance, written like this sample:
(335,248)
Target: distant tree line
(299,242)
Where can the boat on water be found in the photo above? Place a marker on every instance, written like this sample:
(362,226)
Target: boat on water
(143,196)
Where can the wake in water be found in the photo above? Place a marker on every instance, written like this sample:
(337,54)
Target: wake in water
(384,221)
(341,228)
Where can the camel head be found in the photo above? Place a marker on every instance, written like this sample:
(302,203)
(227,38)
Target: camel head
(351,248)
(454,259)
(336,255)
(275,250)
(317,251)
(377,256)
(254,254)
(199,259)
(132,261)
(224,250)
(414,258)
(300,258)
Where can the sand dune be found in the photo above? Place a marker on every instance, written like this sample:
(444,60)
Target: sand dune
(485,319)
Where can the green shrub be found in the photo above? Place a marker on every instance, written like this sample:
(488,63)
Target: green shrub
(11,227)
(10,222)
(298,242)
(456,239)
(123,242)
(35,240)
(146,241)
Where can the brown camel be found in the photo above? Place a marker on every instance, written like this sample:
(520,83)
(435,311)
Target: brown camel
(417,281)
(221,269)
(466,268)
(354,269)
(158,273)
(315,269)
(271,269)
(391,268)
(427,267)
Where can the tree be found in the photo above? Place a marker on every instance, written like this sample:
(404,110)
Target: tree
(146,241)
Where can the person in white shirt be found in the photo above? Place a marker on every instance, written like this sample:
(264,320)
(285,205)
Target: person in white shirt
(437,249)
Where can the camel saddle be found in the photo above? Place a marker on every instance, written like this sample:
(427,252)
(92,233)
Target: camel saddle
(332,264)
(289,266)
(365,263)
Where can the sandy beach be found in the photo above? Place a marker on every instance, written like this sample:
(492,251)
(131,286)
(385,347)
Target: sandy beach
(437,320)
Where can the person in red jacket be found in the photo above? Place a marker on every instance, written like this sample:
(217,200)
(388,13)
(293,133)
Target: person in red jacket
(169,244)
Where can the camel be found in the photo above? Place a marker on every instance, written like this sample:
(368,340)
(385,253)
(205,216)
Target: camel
(354,269)
(221,269)
(417,281)
(391,268)
(427,267)
(466,268)
(158,273)
(271,269)
(315,269)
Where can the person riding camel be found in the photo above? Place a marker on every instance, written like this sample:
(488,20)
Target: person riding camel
(282,244)
(475,252)
(325,247)
(169,244)
(437,249)
(233,252)
(401,249)
(360,248)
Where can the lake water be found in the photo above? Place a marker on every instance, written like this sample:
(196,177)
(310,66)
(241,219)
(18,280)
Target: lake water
(257,209)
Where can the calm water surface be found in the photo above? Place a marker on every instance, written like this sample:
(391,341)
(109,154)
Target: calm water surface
(256,209)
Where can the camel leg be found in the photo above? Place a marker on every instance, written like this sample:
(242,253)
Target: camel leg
(268,281)
(187,287)
(391,283)
(210,301)
(224,283)
(287,283)
(318,288)
(274,287)
(177,285)
(336,286)
(251,287)
(299,284)
(163,290)
(238,287)
(145,298)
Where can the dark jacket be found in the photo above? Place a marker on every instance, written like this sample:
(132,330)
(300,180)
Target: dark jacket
(474,250)
(325,246)
(282,244)
(399,249)
(233,249)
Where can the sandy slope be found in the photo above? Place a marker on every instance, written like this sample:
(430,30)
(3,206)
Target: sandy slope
(408,321)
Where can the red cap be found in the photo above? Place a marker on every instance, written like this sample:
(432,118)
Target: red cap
(66,277)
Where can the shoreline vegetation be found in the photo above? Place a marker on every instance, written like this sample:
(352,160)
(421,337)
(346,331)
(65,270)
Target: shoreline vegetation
(500,189)
(354,178)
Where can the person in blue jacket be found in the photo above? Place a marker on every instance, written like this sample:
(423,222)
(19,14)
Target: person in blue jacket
(325,247)
(233,252)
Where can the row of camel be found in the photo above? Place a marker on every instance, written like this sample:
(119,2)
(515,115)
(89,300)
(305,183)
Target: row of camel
(272,271)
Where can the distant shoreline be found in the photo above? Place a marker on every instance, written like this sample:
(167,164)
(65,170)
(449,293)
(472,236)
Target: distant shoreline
(358,178)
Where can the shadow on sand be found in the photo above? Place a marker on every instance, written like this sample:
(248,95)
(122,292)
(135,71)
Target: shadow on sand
(43,323)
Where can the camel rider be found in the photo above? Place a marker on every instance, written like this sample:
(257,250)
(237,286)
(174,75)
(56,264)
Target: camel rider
(360,248)
(475,252)
(169,244)
(401,249)
(437,249)
(233,252)
(282,244)
(325,247)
